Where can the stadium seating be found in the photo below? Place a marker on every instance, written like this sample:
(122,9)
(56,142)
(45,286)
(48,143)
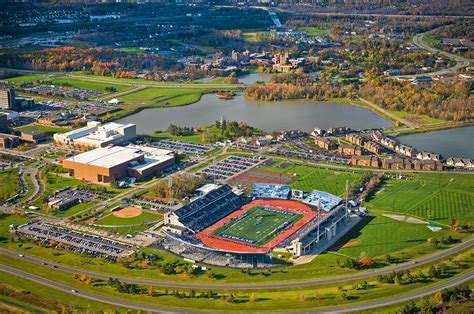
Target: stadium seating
(209,209)
(271,190)
(321,199)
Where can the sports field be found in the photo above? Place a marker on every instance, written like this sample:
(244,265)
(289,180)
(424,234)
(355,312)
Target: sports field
(437,197)
(259,176)
(310,178)
(258,226)
(97,86)
(144,217)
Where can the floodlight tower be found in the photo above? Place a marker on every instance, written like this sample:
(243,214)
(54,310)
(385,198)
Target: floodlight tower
(214,169)
(347,196)
(170,184)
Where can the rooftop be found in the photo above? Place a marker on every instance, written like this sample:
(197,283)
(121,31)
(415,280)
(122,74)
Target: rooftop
(107,157)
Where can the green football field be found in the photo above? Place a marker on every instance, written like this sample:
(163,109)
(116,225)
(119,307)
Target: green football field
(437,197)
(257,226)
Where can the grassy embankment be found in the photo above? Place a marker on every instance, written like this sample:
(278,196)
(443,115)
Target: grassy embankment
(9,184)
(349,292)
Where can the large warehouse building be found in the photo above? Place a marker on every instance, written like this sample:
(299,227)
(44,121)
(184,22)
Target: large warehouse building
(106,164)
(96,134)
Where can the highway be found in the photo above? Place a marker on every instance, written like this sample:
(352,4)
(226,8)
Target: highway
(276,285)
(144,307)
(461,62)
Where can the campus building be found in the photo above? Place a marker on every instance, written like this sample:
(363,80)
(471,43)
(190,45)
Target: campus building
(7,98)
(96,134)
(107,164)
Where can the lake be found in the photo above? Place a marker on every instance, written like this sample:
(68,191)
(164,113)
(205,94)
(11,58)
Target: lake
(267,116)
(457,142)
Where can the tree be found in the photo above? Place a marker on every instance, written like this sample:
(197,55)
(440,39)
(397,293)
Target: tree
(150,291)
(432,272)
(366,262)
(230,298)
(344,296)
(252,297)
(438,297)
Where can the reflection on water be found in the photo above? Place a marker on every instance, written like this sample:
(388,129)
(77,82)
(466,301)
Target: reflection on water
(449,143)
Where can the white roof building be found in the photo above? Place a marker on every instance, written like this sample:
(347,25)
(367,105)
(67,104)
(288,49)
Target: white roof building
(96,134)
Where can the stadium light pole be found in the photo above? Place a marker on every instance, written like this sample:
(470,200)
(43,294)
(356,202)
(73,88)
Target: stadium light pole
(214,169)
(170,184)
(347,196)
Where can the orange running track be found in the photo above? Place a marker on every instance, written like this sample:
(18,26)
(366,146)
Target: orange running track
(225,244)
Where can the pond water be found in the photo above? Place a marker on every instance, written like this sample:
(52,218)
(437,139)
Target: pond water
(268,116)
(457,142)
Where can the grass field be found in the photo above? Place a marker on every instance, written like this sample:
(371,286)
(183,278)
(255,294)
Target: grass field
(50,130)
(26,78)
(297,298)
(9,184)
(253,37)
(417,119)
(314,31)
(257,226)
(72,210)
(310,178)
(111,220)
(381,235)
(51,154)
(97,86)
(437,197)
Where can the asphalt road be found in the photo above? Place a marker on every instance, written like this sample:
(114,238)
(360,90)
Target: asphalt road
(144,307)
(168,284)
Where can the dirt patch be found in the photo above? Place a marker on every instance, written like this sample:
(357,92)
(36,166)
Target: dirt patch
(395,217)
(350,243)
(128,212)
(415,221)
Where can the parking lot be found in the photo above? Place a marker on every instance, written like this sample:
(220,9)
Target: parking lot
(230,167)
(75,241)
(80,193)
(182,147)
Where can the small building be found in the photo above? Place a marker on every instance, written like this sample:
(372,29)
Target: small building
(460,163)
(365,161)
(9,141)
(355,139)
(428,156)
(427,165)
(349,150)
(3,123)
(63,203)
(373,147)
(397,164)
(324,143)
(33,136)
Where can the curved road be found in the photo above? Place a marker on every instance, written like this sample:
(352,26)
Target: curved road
(461,61)
(144,307)
(275,285)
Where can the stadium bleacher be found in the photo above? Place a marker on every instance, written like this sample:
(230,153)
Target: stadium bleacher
(322,199)
(209,209)
(271,190)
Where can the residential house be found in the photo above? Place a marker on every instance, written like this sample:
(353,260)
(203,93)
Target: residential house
(324,143)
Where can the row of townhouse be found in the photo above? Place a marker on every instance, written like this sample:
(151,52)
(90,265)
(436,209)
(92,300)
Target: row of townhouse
(464,163)
(401,149)
(396,163)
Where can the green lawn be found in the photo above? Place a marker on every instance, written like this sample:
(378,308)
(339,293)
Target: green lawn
(72,210)
(194,138)
(9,184)
(437,197)
(417,119)
(310,178)
(89,85)
(26,78)
(38,298)
(51,154)
(256,226)
(381,235)
(254,37)
(296,298)
(144,217)
(43,128)
(314,31)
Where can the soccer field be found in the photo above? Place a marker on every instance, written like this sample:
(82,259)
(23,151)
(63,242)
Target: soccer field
(257,226)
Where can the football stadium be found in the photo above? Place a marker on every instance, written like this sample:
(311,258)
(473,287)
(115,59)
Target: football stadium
(226,229)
